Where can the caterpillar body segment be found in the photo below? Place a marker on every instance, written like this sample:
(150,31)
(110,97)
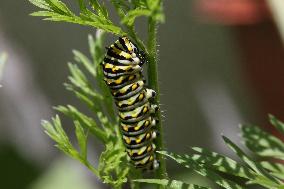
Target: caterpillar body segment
(122,68)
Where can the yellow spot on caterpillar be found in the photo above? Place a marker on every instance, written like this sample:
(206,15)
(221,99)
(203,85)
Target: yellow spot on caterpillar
(145,109)
(134,115)
(151,158)
(107,65)
(130,152)
(122,115)
(137,128)
(126,55)
(125,128)
(134,86)
(149,148)
(138,140)
(114,69)
(127,43)
(127,140)
(119,80)
(141,96)
(123,90)
(121,53)
(148,135)
(131,77)
(141,151)
(147,123)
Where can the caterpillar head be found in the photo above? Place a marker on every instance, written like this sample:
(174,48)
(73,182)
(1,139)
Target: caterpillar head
(137,55)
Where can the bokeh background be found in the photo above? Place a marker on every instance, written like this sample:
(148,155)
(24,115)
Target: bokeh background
(221,64)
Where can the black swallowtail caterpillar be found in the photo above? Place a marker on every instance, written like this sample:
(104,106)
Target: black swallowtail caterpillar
(122,68)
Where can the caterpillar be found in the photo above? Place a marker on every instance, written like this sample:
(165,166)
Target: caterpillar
(122,69)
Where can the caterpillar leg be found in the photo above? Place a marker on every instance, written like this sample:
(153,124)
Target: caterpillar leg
(154,108)
(155,164)
(150,93)
(154,122)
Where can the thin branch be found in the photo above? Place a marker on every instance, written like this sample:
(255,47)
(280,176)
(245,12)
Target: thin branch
(161,172)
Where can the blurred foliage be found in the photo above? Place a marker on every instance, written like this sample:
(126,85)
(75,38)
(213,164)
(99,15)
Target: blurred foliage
(14,165)
(62,174)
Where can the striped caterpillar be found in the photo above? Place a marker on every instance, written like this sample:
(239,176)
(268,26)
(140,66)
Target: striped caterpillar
(122,68)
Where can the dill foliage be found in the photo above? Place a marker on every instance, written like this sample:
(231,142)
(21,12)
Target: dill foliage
(113,167)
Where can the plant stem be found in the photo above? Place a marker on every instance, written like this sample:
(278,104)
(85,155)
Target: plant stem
(153,83)
(135,174)
(90,167)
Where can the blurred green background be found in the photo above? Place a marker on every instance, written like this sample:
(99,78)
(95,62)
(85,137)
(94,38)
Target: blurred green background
(204,91)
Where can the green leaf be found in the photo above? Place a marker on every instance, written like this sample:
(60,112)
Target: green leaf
(79,82)
(84,120)
(97,50)
(202,170)
(221,163)
(56,11)
(59,7)
(156,9)
(82,139)
(277,123)
(133,14)
(139,3)
(264,182)
(92,46)
(101,9)
(114,159)
(262,143)
(121,7)
(82,5)
(153,5)
(78,76)
(175,184)
(81,58)
(98,55)
(43,13)
(41,4)
(276,169)
(55,131)
(252,164)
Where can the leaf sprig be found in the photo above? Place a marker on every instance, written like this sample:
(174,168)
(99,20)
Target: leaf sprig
(265,171)
(95,14)
(55,10)
(97,98)
(112,168)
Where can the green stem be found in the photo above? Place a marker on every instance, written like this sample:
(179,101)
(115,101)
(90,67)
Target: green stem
(153,83)
(135,174)
(90,167)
